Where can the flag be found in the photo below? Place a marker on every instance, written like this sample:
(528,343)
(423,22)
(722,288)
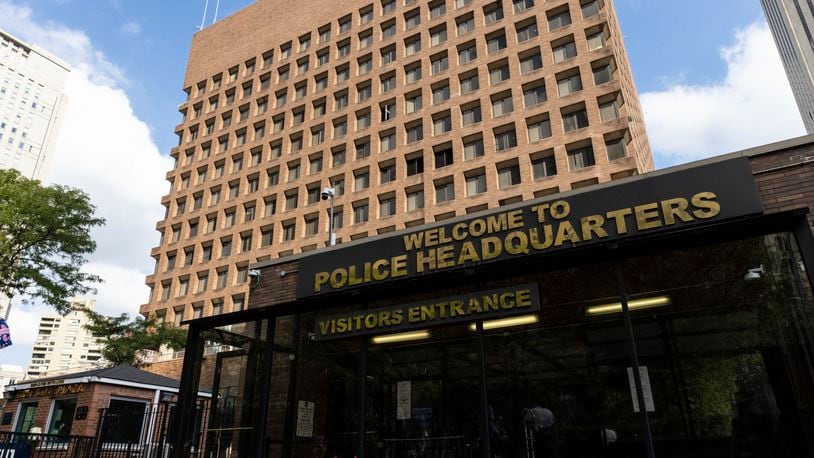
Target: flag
(5,334)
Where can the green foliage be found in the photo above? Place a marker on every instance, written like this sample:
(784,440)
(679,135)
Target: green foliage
(44,240)
(125,341)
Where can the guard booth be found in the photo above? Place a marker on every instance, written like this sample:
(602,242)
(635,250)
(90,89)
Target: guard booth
(664,315)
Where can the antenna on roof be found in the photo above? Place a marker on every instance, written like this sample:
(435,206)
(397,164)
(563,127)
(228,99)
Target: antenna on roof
(203,19)
(217,7)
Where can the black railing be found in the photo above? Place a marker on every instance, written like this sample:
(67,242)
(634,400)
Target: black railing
(26,445)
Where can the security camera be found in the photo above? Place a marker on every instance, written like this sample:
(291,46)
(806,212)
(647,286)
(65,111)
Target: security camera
(254,273)
(327,193)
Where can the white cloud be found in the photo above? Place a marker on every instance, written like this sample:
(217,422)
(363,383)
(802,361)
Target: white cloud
(131,28)
(751,106)
(105,149)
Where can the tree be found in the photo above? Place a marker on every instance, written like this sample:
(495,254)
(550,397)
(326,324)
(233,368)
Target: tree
(45,240)
(126,341)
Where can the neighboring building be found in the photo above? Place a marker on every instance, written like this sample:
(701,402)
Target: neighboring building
(31,105)
(63,343)
(130,405)
(792,24)
(413,111)
(9,375)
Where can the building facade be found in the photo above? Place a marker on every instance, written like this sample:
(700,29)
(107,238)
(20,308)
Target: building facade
(63,344)
(413,111)
(669,314)
(10,374)
(792,24)
(32,105)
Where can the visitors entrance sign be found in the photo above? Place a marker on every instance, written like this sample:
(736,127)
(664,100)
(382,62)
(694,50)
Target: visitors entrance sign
(481,305)
(652,204)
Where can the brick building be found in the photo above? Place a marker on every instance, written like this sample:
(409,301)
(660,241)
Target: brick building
(669,314)
(414,112)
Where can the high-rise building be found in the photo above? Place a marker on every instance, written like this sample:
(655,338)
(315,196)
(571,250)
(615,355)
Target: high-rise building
(9,375)
(413,111)
(792,24)
(63,343)
(31,105)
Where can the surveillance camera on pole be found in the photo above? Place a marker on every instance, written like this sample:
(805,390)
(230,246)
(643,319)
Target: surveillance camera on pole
(330,193)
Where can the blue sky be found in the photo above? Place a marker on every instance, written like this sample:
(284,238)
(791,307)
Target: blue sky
(707,73)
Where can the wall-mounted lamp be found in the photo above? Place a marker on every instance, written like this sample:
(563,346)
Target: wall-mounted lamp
(506,322)
(635,304)
(401,337)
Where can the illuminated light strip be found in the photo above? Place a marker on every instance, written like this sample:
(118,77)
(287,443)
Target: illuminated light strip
(636,304)
(401,337)
(506,322)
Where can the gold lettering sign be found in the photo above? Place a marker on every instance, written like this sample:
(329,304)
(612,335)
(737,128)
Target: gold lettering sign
(548,226)
(481,305)
(50,391)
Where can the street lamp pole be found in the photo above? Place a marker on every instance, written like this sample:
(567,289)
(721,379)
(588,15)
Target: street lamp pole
(328,194)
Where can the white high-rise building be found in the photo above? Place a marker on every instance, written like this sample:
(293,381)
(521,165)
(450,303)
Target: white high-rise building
(31,105)
(63,343)
(792,24)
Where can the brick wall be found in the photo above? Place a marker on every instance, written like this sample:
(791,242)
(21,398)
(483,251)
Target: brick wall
(785,179)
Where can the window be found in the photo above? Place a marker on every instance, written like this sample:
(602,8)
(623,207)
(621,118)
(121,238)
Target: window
(608,111)
(361,180)
(203,282)
(317,135)
(444,192)
(440,94)
(293,171)
(388,141)
(475,184)
(471,114)
(315,165)
(438,9)
(387,110)
(603,73)
(616,148)
(412,45)
(469,83)
(559,19)
(360,213)
(493,12)
(363,119)
(129,416)
(441,124)
(462,3)
(534,94)
(362,149)
(26,417)
(283,74)
(365,65)
(273,177)
(388,55)
(305,42)
(249,212)
(531,62)
(229,218)
(565,51)
(412,19)
(206,253)
(415,200)
(388,6)
(596,41)
(345,24)
(338,219)
(340,128)
(505,139)
(590,8)
(443,157)
(575,119)
(266,237)
(319,107)
(527,31)
(300,90)
(387,206)
(502,104)
(388,82)
(415,166)
(289,231)
(270,206)
(569,84)
(325,33)
(581,157)
(342,73)
(312,195)
(522,5)
(438,35)
(539,129)
(340,100)
(440,63)
(544,166)
(291,200)
(412,102)
(338,157)
(415,133)
(495,43)
(499,74)
(387,173)
(225,247)
(508,175)
(311,225)
(412,74)
(388,29)
(465,24)
(467,54)
(473,148)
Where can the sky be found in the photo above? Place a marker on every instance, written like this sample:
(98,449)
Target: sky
(707,73)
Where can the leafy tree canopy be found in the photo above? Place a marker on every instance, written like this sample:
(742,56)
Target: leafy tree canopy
(44,240)
(126,341)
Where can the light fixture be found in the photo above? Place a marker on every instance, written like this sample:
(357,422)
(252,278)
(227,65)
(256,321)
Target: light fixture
(506,322)
(755,273)
(635,304)
(401,337)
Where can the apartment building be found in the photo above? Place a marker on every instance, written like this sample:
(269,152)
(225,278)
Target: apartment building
(32,105)
(413,111)
(63,344)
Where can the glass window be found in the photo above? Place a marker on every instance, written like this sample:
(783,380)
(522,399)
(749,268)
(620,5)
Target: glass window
(61,418)
(544,166)
(475,184)
(26,417)
(579,158)
(124,424)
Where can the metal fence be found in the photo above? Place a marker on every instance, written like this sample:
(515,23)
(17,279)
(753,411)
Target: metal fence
(26,445)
